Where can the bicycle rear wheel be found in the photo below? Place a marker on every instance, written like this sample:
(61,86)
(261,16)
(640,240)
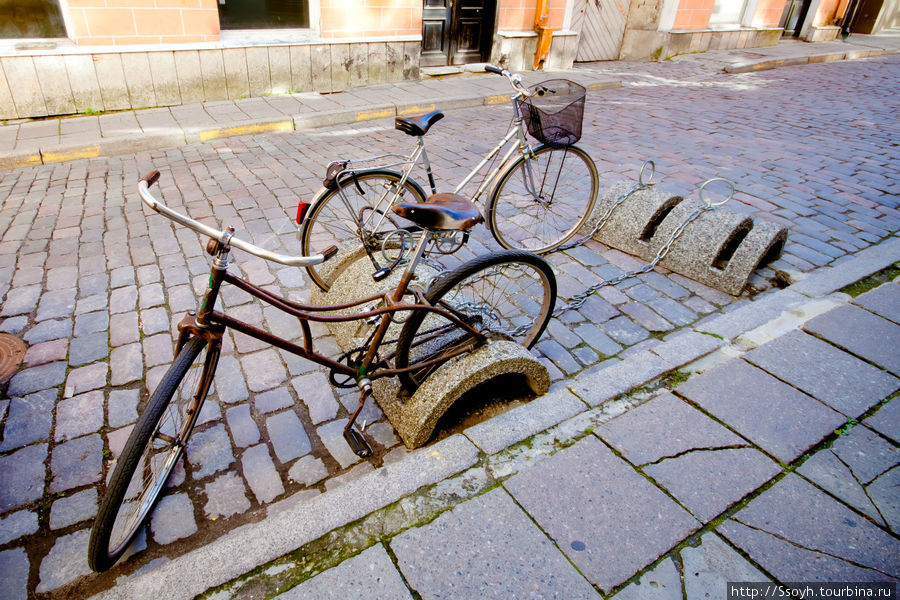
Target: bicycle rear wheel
(151,453)
(334,217)
(541,201)
(508,294)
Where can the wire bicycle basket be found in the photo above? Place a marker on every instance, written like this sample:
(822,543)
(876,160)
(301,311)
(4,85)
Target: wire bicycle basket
(554,111)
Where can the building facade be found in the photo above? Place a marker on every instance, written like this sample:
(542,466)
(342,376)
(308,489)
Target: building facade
(63,57)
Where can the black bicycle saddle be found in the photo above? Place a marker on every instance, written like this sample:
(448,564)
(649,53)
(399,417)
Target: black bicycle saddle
(419,124)
(442,212)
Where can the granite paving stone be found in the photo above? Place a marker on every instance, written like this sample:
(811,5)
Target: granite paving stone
(50,329)
(663,582)
(287,435)
(86,378)
(626,522)
(625,331)
(886,420)
(264,370)
(710,566)
(259,470)
(597,340)
(69,510)
(56,305)
(867,454)
(646,317)
(79,415)
(122,407)
(173,519)
(244,431)
(842,381)
(37,378)
(383,434)
(93,322)
(862,333)
(159,350)
(76,463)
(779,419)
(123,299)
(20,300)
(66,561)
(706,482)
(798,533)
(883,301)
(22,473)
(17,524)
(332,436)
(47,352)
(369,575)
(273,400)
(226,496)
(230,383)
(88,349)
(209,451)
(489,548)
(308,470)
(664,427)
(318,395)
(28,419)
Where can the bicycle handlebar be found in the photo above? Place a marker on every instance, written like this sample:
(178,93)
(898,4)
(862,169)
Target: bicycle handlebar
(515,80)
(225,238)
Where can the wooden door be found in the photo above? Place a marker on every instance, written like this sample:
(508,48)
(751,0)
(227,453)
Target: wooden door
(601,26)
(456,32)
(793,16)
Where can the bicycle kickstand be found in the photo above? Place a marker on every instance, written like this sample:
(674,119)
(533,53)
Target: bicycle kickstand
(354,438)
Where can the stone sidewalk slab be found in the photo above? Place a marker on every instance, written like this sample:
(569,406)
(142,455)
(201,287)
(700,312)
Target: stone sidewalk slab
(883,301)
(842,381)
(862,333)
(887,420)
(776,417)
(370,575)
(624,523)
(486,548)
(798,533)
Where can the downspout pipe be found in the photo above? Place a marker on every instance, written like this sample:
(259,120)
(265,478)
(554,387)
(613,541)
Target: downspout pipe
(545,33)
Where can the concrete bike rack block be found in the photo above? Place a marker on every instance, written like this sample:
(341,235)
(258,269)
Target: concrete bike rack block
(720,248)
(415,416)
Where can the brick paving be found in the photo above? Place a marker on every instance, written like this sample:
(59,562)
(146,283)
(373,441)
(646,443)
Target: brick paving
(95,285)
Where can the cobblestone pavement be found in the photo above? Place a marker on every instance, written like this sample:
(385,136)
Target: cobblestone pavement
(94,285)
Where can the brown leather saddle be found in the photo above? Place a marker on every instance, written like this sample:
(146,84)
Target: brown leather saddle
(442,212)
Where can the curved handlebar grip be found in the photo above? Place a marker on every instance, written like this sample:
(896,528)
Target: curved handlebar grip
(151,177)
(493,69)
(329,252)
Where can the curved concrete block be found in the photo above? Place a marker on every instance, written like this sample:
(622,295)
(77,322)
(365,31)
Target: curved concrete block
(416,416)
(720,248)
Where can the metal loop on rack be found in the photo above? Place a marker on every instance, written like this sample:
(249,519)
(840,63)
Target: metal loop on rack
(720,203)
(652,166)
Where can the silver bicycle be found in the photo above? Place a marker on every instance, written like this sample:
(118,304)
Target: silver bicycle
(538,196)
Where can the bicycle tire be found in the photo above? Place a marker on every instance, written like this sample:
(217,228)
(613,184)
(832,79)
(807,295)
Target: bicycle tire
(107,543)
(331,222)
(520,222)
(519,283)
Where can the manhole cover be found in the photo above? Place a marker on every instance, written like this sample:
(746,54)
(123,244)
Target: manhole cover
(12,351)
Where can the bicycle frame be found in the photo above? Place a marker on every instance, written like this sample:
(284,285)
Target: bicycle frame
(210,324)
(418,153)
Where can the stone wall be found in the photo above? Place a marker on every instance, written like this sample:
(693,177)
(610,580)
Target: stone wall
(48,83)
(514,50)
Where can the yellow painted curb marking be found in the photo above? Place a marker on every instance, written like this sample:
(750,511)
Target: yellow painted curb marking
(498,99)
(87,152)
(28,161)
(374,114)
(247,130)
(411,110)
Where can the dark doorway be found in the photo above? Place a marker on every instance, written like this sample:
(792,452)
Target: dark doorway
(866,16)
(793,16)
(456,32)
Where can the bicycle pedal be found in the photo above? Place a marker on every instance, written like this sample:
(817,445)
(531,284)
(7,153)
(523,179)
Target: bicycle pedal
(357,443)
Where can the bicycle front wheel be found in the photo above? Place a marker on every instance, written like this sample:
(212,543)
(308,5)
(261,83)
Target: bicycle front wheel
(540,202)
(335,217)
(508,294)
(151,453)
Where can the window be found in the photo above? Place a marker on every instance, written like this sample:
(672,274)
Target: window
(262,14)
(727,13)
(31,19)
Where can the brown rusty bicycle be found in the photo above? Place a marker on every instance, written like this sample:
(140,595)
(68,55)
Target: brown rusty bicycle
(508,294)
